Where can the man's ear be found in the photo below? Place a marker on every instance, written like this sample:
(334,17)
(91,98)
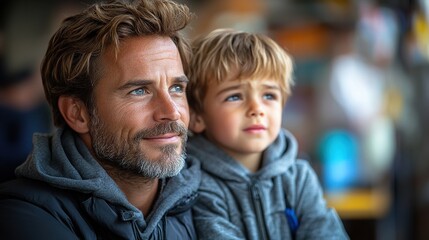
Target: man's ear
(196,124)
(74,113)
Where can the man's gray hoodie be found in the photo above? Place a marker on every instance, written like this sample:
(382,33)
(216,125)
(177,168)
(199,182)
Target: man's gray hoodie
(283,200)
(63,193)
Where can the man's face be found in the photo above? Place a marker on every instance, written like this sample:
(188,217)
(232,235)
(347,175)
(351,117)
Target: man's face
(140,116)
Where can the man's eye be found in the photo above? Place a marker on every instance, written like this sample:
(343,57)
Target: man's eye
(232,98)
(139,92)
(177,89)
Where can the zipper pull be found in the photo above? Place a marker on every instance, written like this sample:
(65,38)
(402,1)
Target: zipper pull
(255,191)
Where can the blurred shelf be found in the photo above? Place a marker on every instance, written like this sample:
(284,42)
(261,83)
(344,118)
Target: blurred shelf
(360,203)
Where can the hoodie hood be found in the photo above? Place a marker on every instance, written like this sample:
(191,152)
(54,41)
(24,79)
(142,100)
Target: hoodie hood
(64,161)
(275,160)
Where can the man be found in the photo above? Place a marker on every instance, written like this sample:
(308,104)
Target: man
(114,78)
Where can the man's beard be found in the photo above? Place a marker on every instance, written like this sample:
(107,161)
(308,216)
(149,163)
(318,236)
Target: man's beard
(127,155)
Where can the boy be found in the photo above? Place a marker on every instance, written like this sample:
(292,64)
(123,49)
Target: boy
(253,186)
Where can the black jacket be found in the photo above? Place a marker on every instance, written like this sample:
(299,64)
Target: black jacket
(35,210)
(62,193)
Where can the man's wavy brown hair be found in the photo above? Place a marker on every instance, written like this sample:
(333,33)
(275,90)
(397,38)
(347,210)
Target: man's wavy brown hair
(70,66)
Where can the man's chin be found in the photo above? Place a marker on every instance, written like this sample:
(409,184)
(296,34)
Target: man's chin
(163,166)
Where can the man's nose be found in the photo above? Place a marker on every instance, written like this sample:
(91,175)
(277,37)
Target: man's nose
(166,108)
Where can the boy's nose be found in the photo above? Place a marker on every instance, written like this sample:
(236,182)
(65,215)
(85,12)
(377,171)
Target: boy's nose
(257,113)
(255,109)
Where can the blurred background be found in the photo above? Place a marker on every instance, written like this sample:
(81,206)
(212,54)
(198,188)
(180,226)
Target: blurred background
(358,107)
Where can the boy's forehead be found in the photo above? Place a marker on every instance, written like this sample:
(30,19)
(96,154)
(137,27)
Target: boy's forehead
(247,80)
(235,75)
(258,78)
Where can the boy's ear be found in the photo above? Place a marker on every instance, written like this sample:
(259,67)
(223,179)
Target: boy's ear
(196,123)
(74,113)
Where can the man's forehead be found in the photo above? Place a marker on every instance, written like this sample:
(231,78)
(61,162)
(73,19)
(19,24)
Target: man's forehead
(158,46)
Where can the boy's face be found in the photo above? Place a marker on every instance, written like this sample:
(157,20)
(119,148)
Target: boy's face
(241,117)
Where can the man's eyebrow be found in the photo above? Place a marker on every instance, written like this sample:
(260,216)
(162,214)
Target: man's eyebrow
(182,78)
(135,83)
(144,82)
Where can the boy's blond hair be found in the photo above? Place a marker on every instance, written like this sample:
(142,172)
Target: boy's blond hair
(247,55)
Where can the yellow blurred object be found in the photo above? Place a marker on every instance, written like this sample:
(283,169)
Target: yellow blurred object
(421,31)
(393,103)
(360,203)
(306,41)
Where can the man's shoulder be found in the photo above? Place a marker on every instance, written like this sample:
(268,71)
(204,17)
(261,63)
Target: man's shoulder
(37,194)
(30,204)
(29,189)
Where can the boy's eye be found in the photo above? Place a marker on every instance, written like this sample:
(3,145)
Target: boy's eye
(139,92)
(270,96)
(232,98)
(177,88)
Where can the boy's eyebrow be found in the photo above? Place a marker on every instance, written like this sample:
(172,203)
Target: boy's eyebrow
(271,86)
(145,82)
(238,85)
(230,88)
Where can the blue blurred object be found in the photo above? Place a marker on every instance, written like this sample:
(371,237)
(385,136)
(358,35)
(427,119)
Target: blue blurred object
(16,131)
(17,124)
(292,220)
(339,154)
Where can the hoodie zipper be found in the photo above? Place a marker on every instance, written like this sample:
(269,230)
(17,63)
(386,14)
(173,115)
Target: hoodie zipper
(257,203)
(136,231)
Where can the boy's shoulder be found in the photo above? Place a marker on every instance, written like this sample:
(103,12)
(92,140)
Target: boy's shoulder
(299,167)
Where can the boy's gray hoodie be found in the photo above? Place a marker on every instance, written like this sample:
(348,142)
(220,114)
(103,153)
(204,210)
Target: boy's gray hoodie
(237,204)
